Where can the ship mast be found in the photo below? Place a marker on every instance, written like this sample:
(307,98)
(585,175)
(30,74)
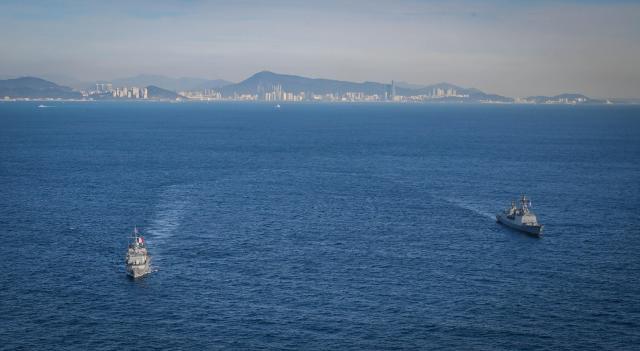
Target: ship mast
(525,204)
(137,239)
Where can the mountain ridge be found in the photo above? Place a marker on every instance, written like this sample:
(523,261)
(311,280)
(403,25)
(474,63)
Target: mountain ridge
(33,87)
(155,92)
(264,81)
(169,83)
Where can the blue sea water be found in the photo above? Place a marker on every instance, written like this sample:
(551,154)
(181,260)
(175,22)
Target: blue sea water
(319,227)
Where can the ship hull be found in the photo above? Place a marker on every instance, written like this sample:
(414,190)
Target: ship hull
(138,271)
(528,229)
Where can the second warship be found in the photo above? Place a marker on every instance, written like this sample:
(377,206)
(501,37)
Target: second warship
(522,218)
(138,260)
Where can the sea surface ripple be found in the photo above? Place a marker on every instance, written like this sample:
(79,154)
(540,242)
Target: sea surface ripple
(318,226)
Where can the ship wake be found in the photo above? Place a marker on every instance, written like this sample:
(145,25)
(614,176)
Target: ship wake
(170,210)
(468,206)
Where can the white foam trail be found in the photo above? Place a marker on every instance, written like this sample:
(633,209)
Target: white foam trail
(172,205)
(467,206)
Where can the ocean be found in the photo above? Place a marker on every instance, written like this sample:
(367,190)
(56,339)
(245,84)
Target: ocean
(318,226)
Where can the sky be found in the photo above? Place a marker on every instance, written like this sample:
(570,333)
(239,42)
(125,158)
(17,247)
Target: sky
(513,48)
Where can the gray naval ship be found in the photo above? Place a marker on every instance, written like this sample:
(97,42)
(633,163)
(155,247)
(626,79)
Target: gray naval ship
(522,218)
(138,260)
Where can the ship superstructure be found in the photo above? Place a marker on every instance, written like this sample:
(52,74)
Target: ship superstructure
(138,261)
(521,218)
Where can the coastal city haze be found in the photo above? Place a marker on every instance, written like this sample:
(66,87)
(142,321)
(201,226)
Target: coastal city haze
(515,49)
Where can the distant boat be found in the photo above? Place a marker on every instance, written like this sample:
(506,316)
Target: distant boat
(138,260)
(522,219)
(43,106)
(278,106)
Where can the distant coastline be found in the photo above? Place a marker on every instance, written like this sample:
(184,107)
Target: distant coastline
(267,86)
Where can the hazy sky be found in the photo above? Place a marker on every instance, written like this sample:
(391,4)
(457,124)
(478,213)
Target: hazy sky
(514,48)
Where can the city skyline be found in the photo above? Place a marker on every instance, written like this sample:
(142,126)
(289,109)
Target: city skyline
(272,87)
(512,49)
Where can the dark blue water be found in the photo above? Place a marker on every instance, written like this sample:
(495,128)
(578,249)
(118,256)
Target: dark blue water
(318,227)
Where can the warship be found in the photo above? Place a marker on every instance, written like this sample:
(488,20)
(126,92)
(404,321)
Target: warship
(522,219)
(138,259)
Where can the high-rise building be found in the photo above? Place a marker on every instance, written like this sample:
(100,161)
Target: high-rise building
(392,94)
